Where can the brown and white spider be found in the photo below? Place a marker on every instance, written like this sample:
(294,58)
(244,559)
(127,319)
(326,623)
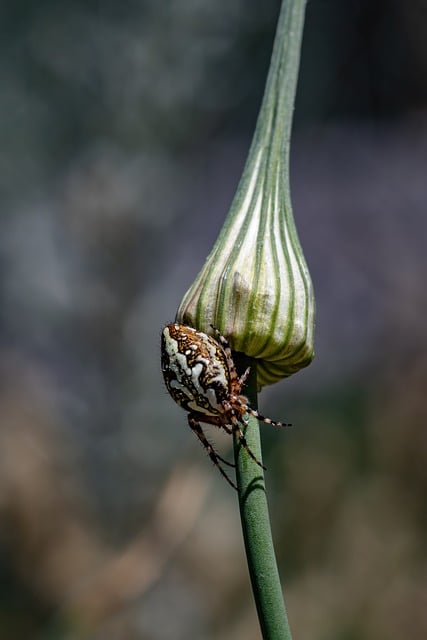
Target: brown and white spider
(201,377)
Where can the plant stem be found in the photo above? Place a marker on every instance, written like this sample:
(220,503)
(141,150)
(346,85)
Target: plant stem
(255,520)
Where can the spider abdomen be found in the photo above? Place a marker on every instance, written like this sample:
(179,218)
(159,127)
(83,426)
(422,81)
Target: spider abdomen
(195,370)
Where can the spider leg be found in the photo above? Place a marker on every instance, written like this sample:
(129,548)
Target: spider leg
(203,417)
(245,445)
(227,350)
(235,381)
(258,416)
(241,381)
(197,429)
(236,428)
(221,339)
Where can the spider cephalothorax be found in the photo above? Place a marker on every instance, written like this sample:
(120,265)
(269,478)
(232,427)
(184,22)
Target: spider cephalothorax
(201,377)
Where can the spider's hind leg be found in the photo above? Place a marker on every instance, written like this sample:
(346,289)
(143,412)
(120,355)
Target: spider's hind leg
(216,459)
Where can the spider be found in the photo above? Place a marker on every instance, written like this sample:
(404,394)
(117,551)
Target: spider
(201,377)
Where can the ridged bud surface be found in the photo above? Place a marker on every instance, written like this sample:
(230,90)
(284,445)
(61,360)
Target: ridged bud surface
(255,286)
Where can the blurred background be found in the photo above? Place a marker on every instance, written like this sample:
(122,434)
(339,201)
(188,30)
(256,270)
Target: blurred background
(124,128)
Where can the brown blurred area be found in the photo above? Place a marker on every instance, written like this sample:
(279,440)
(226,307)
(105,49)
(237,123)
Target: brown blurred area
(124,128)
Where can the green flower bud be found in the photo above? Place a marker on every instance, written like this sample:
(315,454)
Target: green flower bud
(255,286)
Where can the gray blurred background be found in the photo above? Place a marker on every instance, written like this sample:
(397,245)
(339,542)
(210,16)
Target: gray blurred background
(124,127)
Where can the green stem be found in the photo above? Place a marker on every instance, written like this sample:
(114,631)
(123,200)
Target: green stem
(255,519)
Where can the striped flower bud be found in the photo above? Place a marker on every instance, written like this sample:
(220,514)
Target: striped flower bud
(255,286)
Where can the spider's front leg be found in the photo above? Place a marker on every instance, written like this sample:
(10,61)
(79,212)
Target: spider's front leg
(241,381)
(193,421)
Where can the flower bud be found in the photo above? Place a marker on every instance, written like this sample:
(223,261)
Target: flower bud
(255,286)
